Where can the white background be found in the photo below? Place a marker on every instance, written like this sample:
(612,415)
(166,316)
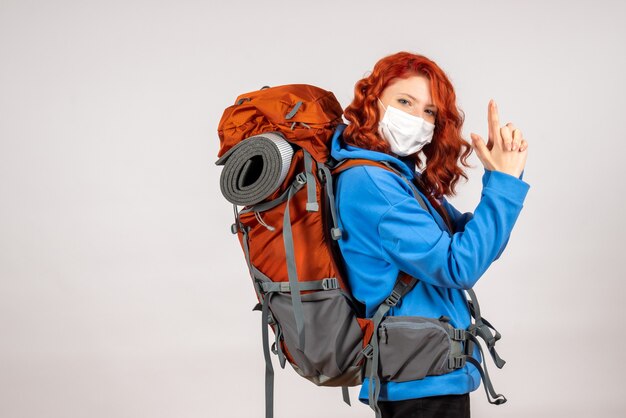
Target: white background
(123,292)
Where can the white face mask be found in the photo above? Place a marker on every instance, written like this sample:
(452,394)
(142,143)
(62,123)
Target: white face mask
(406,133)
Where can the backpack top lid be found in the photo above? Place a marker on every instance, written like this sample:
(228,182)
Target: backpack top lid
(305,115)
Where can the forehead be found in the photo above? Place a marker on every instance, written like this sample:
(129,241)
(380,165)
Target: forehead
(417,86)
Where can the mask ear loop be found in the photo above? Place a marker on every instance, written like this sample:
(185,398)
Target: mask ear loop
(383,105)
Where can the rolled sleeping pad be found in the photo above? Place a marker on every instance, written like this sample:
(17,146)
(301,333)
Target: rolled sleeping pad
(255,168)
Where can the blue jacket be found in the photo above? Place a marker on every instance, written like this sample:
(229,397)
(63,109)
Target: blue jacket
(385,230)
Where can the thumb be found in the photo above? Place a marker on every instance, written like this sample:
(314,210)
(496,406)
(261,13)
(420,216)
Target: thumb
(479,144)
(481,148)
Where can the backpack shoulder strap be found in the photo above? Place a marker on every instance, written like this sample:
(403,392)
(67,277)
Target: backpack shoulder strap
(351,162)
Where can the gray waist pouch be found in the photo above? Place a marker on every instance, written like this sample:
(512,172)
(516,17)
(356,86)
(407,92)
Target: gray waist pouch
(413,347)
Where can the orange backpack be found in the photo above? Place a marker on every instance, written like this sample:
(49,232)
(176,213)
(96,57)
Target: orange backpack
(274,142)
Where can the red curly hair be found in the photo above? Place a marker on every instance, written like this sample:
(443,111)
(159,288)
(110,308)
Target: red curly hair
(447,146)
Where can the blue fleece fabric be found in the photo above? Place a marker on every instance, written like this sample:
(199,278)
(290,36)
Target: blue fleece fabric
(385,230)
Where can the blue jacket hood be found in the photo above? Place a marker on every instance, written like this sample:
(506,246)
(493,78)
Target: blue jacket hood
(340,150)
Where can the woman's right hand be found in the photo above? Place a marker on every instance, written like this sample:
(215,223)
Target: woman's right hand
(506,149)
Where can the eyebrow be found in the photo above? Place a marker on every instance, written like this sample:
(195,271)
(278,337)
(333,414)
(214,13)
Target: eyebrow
(407,94)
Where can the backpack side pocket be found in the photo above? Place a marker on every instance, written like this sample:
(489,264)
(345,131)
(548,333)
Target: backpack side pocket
(334,337)
(413,347)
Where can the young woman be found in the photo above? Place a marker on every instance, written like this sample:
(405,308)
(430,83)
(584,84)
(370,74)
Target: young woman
(404,111)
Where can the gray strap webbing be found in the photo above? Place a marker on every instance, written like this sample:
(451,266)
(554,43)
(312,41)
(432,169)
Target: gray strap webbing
(260,275)
(251,268)
(269,370)
(261,207)
(475,305)
(482,329)
(489,338)
(276,348)
(311,185)
(346,395)
(296,300)
(484,374)
(328,183)
(293,111)
(329,283)
(484,333)
(399,290)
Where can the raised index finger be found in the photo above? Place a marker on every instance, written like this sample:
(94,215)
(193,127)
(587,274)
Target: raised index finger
(494,124)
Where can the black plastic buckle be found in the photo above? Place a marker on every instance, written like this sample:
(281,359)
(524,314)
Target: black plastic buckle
(456,362)
(393,299)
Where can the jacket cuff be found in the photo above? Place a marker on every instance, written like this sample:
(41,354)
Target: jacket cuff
(506,184)
(487,174)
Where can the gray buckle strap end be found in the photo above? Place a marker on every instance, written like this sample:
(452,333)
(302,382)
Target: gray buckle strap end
(346,395)
(456,362)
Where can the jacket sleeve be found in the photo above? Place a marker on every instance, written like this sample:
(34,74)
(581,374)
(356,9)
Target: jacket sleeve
(460,219)
(411,239)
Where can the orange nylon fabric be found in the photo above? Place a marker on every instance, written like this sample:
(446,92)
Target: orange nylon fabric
(312,243)
(268,109)
(312,251)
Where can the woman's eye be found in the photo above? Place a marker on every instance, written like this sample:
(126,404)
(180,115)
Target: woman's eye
(404,101)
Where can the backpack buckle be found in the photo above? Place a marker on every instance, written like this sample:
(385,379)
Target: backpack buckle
(330,283)
(270,319)
(393,298)
(456,362)
(368,351)
(335,233)
(301,178)
(458,334)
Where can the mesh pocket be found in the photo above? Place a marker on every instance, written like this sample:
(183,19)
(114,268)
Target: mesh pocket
(412,348)
(333,337)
